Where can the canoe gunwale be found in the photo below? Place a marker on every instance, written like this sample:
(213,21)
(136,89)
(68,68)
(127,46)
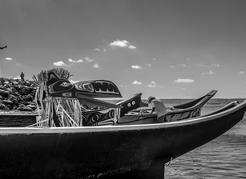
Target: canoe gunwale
(115,128)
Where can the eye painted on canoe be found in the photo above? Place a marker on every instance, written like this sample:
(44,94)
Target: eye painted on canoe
(65,84)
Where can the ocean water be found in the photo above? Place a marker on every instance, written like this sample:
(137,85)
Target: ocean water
(223,157)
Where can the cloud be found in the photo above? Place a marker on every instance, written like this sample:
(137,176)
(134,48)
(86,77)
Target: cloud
(59,63)
(242,72)
(152,84)
(119,43)
(9,59)
(88,59)
(96,65)
(80,61)
(71,60)
(135,82)
(100,50)
(132,47)
(137,67)
(122,44)
(75,61)
(210,72)
(184,80)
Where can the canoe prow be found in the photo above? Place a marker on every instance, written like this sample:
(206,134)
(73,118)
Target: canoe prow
(200,101)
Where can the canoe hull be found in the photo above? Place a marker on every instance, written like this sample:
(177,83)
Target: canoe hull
(79,152)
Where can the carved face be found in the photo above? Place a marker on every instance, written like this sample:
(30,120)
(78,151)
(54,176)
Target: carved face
(60,86)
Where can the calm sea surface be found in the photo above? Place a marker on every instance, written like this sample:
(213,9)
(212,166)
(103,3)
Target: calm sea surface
(223,157)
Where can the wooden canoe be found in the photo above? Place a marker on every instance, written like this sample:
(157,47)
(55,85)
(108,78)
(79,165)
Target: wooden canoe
(180,112)
(132,111)
(73,152)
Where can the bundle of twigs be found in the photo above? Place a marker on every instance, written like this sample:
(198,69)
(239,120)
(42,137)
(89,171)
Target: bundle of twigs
(56,111)
(42,77)
(63,112)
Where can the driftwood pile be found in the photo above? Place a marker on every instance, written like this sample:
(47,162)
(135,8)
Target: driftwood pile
(17,95)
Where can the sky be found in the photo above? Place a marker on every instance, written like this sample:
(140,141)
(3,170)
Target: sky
(162,48)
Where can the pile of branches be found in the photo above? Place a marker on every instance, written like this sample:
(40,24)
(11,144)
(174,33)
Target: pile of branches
(42,77)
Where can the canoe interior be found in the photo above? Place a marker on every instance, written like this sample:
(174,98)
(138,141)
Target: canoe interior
(135,118)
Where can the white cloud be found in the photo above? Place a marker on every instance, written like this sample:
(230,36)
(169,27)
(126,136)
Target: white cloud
(136,82)
(119,43)
(100,50)
(88,59)
(242,72)
(80,61)
(137,67)
(59,63)
(75,61)
(9,59)
(96,65)
(132,47)
(71,60)
(122,44)
(172,66)
(184,80)
(210,72)
(152,84)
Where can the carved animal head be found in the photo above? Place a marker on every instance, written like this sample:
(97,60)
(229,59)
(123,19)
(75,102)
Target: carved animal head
(95,88)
